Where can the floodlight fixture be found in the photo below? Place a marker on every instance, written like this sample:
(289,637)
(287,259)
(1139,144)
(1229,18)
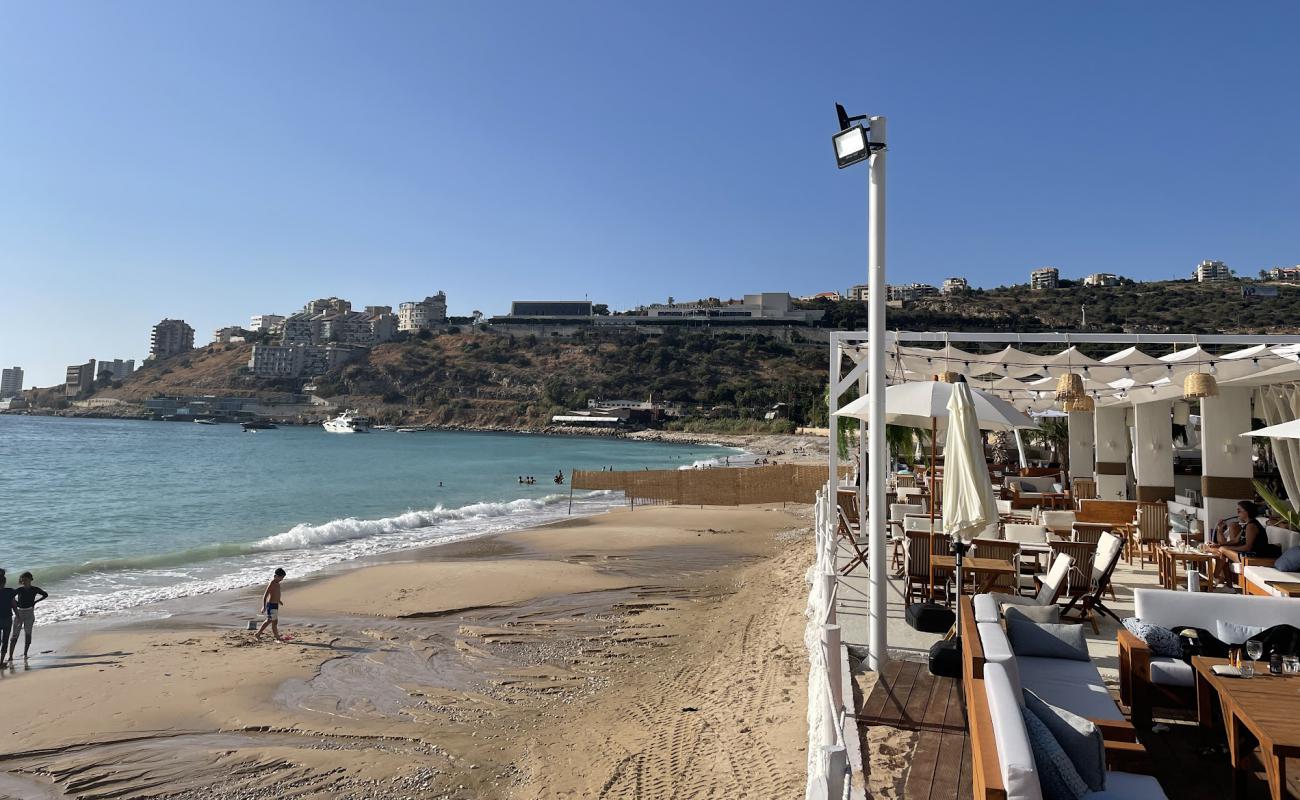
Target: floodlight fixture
(852,143)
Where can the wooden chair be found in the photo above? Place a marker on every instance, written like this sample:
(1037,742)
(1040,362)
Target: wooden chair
(940,545)
(1086,533)
(906,481)
(1079,579)
(846,532)
(1083,489)
(917,572)
(1007,551)
(1107,556)
(1152,530)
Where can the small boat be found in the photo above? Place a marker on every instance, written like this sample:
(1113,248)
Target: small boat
(205,422)
(258,425)
(347,422)
(384,428)
(409,430)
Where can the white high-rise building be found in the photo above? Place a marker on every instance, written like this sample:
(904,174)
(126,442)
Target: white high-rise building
(1045,278)
(1212,272)
(11,382)
(265,322)
(422,314)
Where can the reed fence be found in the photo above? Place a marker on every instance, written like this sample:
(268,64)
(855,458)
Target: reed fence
(718,486)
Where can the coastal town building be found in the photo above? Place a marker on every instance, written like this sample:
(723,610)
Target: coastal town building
(79,379)
(117,369)
(169,337)
(909,292)
(775,306)
(327,305)
(1101,279)
(11,382)
(1212,272)
(860,292)
(1045,278)
(265,322)
(228,335)
(832,296)
(955,286)
(420,315)
(551,308)
(298,360)
(1289,274)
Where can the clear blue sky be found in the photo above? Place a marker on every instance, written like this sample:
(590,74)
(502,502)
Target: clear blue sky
(209,163)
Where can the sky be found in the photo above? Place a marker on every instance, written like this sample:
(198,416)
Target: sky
(214,161)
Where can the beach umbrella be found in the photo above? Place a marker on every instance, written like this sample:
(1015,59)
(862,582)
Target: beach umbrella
(968,502)
(1286,430)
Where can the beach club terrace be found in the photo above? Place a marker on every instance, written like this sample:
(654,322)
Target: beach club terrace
(1059,625)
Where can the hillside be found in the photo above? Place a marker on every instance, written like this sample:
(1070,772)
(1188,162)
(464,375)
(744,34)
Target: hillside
(488,380)
(1157,307)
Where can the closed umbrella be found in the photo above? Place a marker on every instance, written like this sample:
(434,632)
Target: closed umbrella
(968,502)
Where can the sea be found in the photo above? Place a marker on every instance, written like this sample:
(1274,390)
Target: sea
(113,516)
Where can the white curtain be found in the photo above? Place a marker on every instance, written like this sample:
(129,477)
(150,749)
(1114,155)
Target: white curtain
(1275,405)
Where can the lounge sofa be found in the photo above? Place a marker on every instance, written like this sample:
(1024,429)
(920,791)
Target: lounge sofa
(1027,492)
(1255,574)
(1001,754)
(1148,681)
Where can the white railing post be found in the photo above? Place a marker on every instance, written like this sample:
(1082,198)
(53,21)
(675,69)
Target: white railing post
(837,766)
(829,580)
(831,649)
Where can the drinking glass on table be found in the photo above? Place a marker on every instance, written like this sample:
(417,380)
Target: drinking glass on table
(1254,649)
(1291,665)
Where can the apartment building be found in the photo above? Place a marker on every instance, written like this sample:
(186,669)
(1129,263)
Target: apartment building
(228,335)
(265,322)
(298,360)
(1212,272)
(11,382)
(955,286)
(117,369)
(1101,279)
(860,292)
(327,305)
(768,306)
(906,293)
(169,337)
(1045,278)
(1290,274)
(79,379)
(423,314)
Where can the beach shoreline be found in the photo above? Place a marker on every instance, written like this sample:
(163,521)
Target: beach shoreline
(498,651)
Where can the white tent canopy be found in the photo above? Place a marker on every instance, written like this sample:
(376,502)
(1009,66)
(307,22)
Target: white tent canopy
(918,405)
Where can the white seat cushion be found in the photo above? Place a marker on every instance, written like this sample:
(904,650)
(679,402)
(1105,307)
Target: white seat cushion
(1015,756)
(1073,685)
(1168,671)
(1260,576)
(1202,609)
(986,608)
(997,650)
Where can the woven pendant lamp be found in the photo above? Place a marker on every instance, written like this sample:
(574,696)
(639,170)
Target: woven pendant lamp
(1081,403)
(1199,384)
(1069,386)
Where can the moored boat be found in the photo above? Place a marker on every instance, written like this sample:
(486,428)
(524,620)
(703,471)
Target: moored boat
(347,422)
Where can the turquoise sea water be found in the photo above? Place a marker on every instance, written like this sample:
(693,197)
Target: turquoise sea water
(113,514)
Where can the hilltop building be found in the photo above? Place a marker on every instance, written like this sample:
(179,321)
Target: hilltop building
(776,306)
(906,293)
(860,292)
(228,335)
(298,360)
(265,322)
(11,382)
(117,369)
(332,321)
(327,305)
(1212,272)
(169,337)
(1101,279)
(1290,274)
(79,379)
(551,308)
(422,315)
(834,297)
(955,286)
(1045,278)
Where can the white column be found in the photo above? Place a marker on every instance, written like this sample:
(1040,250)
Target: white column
(1153,450)
(878,452)
(833,405)
(1226,467)
(1082,450)
(1111,438)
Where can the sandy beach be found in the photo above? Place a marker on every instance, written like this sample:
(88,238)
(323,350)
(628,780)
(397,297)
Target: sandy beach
(648,653)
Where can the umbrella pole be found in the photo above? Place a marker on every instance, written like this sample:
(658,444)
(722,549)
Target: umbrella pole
(934,431)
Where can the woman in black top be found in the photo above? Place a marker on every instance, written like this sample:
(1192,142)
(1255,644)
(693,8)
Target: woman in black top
(25,599)
(1248,540)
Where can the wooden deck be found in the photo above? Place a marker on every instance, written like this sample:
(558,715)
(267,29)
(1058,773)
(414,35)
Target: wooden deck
(908,697)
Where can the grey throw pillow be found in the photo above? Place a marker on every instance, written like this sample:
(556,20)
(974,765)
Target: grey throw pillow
(1057,777)
(1079,738)
(1039,614)
(1289,561)
(1047,640)
(1162,641)
(1026,486)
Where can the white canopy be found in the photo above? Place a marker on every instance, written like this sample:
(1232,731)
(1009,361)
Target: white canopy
(1287,430)
(916,405)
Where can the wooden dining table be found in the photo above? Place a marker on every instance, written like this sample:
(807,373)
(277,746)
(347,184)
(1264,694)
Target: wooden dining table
(1267,706)
(985,571)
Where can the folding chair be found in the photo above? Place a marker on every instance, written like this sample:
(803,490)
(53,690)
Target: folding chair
(1109,550)
(1007,551)
(1060,523)
(846,532)
(1049,585)
(1079,579)
(1152,530)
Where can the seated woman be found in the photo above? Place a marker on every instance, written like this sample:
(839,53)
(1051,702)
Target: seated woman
(1242,538)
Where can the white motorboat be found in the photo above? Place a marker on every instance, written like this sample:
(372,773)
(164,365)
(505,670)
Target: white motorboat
(347,422)
(205,422)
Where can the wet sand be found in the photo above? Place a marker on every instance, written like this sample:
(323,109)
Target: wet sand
(648,653)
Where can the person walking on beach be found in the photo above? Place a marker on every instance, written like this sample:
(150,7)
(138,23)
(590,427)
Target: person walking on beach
(271,603)
(6,615)
(24,603)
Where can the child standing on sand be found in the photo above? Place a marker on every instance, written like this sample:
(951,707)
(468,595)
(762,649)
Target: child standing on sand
(25,599)
(271,603)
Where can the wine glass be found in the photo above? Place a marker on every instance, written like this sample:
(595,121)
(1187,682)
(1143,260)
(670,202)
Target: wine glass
(1254,649)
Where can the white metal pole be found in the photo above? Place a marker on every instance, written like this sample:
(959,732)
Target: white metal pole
(1020,448)
(876,465)
(832,422)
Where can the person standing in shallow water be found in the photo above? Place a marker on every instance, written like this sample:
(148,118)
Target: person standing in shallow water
(271,603)
(6,615)
(25,599)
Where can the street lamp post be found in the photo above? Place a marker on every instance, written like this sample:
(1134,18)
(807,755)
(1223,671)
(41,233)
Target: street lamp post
(856,143)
